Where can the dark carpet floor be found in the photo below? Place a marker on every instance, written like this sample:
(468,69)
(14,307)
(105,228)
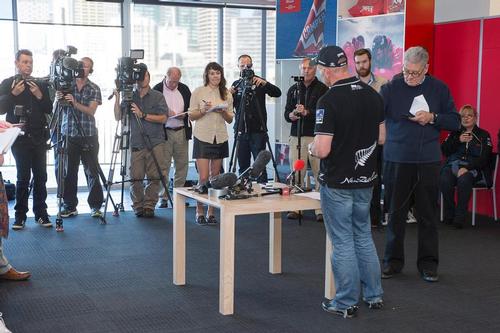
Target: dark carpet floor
(118,278)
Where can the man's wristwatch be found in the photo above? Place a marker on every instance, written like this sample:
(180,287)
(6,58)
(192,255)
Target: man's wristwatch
(144,115)
(434,118)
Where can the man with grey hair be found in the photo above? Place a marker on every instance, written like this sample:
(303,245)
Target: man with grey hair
(177,128)
(417,107)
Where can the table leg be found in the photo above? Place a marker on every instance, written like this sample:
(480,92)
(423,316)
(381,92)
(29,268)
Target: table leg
(226,270)
(179,239)
(275,243)
(329,278)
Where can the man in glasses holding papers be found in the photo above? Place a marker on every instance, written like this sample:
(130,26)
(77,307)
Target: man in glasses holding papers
(417,107)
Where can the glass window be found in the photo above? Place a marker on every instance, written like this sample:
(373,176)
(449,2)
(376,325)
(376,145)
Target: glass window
(6,9)
(69,12)
(271,46)
(185,37)
(242,35)
(103,45)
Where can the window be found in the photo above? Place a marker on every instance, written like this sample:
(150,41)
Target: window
(185,37)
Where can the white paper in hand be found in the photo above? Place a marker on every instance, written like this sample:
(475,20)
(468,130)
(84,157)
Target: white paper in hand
(7,138)
(419,104)
(218,107)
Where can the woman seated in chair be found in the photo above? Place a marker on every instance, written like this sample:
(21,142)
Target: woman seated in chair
(468,154)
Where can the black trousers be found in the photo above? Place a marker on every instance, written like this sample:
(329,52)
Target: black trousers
(447,182)
(85,150)
(30,158)
(401,180)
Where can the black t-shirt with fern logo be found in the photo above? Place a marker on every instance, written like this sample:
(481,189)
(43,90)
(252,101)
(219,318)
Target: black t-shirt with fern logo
(351,111)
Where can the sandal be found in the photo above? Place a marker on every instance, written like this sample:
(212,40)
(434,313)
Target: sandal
(201,220)
(211,219)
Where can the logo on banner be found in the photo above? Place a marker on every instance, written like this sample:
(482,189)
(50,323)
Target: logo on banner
(289,6)
(311,39)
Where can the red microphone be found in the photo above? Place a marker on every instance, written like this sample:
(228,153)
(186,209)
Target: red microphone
(297,166)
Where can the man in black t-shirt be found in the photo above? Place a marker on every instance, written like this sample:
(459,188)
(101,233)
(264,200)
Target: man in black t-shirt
(349,125)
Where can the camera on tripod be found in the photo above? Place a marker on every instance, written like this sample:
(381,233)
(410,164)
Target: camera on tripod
(22,112)
(128,72)
(298,78)
(64,70)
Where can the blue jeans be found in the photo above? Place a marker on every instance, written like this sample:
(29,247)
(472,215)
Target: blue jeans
(355,262)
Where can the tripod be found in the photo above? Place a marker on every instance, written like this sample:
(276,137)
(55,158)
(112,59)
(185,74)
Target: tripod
(61,144)
(122,143)
(247,96)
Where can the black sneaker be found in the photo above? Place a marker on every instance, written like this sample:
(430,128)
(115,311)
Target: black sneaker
(429,276)
(388,272)
(139,212)
(44,221)
(66,212)
(346,313)
(375,305)
(19,224)
(163,203)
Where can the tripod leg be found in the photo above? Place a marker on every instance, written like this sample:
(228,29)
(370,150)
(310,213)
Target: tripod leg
(273,159)
(114,157)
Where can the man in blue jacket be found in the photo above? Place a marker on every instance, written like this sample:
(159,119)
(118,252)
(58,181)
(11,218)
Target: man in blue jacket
(417,107)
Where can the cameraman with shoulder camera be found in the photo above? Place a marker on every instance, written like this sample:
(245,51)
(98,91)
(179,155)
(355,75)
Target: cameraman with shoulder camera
(26,101)
(253,126)
(150,109)
(300,110)
(82,105)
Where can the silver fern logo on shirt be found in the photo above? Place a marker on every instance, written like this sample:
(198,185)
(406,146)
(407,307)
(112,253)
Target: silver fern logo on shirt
(361,156)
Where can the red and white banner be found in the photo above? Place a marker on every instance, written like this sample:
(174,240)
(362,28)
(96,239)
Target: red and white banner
(289,6)
(312,37)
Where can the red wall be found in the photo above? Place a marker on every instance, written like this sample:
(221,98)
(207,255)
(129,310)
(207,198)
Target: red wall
(419,24)
(456,57)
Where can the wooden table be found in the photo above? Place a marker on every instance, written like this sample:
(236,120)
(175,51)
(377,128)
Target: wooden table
(229,209)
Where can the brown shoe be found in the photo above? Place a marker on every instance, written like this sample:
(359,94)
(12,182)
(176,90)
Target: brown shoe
(13,275)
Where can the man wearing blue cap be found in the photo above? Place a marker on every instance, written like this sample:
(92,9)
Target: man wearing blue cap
(349,125)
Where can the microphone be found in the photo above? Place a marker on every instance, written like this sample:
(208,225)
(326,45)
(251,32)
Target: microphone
(297,166)
(223,180)
(70,63)
(258,166)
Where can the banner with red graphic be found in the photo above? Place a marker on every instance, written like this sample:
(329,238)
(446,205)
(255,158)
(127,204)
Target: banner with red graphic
(303,32)
(289,6)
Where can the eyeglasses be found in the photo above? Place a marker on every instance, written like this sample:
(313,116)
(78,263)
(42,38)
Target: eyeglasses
(406,72)
(467,116)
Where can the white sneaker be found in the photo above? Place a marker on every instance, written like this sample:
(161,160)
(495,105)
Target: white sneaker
(3,328)
(410,218)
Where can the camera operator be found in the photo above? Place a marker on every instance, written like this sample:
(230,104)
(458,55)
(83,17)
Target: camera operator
(27,100)
(301,102)
(151,110)
(84,100)
(253,127)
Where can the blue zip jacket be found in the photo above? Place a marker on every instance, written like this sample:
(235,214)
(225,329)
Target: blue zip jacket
(408,141)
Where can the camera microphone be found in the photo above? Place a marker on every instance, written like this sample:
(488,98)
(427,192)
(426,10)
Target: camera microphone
(223,180)
(260,163)
(70,63)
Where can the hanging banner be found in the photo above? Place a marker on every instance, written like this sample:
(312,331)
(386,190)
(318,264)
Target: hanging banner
(304,32)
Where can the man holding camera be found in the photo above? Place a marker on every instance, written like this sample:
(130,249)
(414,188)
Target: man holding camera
(300,110)
(177,128)
(252,128)
(150,109)
(26,102)
(78,124)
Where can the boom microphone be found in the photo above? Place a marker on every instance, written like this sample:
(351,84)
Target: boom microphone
(70,63)
(227,179)
(297,166)
(258,166)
